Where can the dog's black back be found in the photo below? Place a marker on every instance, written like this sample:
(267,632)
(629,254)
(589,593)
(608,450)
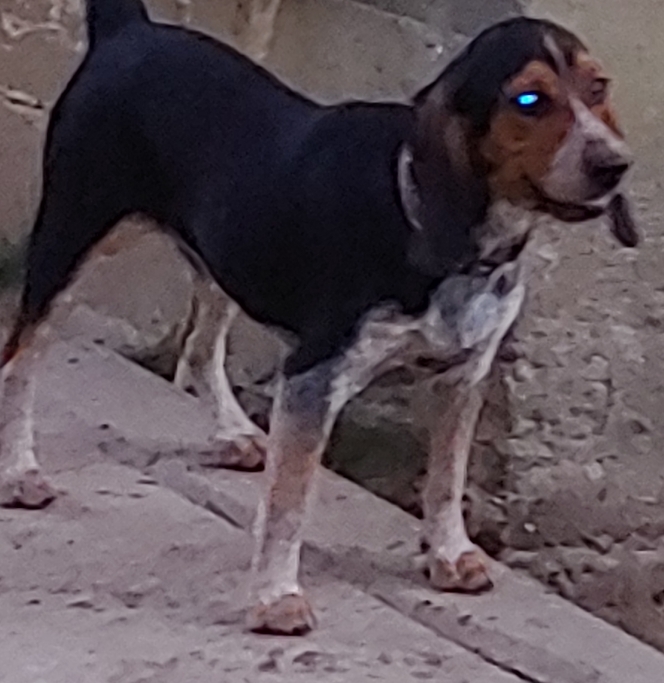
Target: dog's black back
(293,207)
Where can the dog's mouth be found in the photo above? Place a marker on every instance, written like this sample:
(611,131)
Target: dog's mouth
(616,209)
(568,212)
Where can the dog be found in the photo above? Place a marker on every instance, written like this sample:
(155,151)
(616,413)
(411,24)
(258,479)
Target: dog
(373,235)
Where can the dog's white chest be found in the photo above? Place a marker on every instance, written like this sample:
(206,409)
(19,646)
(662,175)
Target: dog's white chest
(463,326)
(485,319)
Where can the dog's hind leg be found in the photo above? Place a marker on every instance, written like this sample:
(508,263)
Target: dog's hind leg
(239,442)
(211,314)
(21,482)
(74,214)
(49,270)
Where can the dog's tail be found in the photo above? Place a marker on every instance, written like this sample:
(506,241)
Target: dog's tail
(106,17)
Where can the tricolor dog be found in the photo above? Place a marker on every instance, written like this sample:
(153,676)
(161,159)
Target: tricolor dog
(373,235)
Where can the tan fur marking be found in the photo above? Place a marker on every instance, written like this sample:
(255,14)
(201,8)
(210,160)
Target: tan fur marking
(535,76)
(520,149)
(588,71)
(589,66)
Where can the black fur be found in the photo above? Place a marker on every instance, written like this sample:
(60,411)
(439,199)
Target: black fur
(293,207)
(105,18)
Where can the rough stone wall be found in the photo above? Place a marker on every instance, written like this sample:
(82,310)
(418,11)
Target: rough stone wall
(566,478)
(584,494)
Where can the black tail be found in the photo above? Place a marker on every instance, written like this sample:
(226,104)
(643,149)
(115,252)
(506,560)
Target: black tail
(107,17)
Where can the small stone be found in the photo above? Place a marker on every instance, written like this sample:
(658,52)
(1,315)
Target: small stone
(523,426)
(602,543)
(594,471)
(523,371)
(520,559)
(598,369)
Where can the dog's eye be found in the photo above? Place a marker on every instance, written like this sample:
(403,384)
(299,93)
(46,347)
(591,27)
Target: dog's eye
(531,103)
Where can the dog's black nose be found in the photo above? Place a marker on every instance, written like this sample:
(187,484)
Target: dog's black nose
(608,175)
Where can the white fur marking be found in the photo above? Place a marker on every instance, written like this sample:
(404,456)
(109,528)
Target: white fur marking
(18,414)
(276,569)
(451,439)
(567,180)
(22,443)
(232,417)
(479,326)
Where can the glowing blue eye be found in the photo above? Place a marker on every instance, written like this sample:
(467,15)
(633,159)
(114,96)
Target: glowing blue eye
(528,99)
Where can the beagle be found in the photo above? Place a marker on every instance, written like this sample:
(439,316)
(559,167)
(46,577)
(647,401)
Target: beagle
(371,235)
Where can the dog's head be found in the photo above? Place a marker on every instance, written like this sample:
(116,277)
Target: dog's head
(522,115)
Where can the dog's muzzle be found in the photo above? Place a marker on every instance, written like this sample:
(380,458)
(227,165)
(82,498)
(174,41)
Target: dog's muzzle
(603,167)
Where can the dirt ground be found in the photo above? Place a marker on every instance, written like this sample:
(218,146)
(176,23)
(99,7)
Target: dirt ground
(566,481)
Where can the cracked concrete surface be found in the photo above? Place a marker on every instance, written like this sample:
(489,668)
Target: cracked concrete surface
(566,480)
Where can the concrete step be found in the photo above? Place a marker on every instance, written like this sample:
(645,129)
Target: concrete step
(353,537)
(123,581)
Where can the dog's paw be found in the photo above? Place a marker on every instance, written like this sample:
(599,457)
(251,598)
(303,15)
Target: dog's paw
(25,490)
(468,574)
(238,453)
(290,615)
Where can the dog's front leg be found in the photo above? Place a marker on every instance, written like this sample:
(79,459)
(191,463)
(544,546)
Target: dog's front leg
(301,422)
(454,562)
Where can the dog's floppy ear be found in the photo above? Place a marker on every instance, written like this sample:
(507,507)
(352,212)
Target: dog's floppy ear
(451,187)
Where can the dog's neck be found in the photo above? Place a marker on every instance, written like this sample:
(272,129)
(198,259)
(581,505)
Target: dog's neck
(505,232)
(441,207)
(500,237)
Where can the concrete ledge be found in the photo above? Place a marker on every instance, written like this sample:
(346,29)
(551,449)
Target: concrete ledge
(353,536)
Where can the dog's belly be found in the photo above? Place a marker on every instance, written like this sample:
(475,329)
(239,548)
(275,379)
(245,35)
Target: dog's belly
(459,335)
